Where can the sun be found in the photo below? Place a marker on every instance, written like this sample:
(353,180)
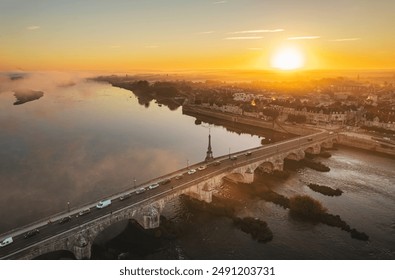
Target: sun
(287,59)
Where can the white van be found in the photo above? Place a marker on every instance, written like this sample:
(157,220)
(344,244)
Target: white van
(104,203)
(6,241)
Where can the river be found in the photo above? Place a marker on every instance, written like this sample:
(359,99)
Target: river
(82,142)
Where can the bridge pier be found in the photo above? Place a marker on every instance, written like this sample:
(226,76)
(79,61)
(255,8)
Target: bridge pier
(248,176)
(151,218)
(82,253)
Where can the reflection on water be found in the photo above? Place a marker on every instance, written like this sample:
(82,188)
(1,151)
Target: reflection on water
(368,207)
(87,140)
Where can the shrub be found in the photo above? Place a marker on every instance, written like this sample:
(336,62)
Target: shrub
(306,206)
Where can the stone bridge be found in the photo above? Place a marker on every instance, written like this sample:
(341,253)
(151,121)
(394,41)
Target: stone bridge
(78,238)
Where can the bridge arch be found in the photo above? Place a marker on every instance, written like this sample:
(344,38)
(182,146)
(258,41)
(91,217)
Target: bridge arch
(235,177)
(309,150)
(292,156)
(266,167)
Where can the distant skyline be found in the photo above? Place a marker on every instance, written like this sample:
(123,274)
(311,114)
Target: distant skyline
(132,35)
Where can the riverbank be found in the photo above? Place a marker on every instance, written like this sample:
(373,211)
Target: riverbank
(366,142)
(348,139)
(196,111)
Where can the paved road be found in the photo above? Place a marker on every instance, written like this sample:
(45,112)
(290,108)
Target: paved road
(50,230)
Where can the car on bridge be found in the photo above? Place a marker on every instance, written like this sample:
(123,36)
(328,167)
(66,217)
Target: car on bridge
(247,154)
(153,186)
(191,171)
(233,157)
(103,203)
(140,190)
(178,177)
(84,212)
(125,196)
(65,220)
(216,163)
(6,242)
(164,182)
(31,233)
(202,167)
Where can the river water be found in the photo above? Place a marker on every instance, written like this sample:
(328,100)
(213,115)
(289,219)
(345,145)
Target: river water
(85,141)
(82,142)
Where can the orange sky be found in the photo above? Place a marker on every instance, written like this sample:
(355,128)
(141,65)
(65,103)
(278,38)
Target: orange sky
(126,35)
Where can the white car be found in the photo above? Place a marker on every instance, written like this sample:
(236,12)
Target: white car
(191,171)
(202,167)
(140,190)
(6,242)
(103,204)
(153,186)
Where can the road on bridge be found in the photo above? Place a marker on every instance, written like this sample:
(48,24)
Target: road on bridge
(55,228)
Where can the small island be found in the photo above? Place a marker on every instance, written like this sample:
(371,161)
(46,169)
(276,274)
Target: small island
(325,190)
(24,96)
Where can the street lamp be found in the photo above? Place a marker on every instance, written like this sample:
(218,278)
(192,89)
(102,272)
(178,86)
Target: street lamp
(68,206)
(187,164)
(229,152)
(134,182)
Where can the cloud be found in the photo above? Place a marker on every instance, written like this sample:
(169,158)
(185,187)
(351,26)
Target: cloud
(258,31)
(244,38)
(304,38)
(207,32)
(345,39)
(255,49)
(220,2)
(115,46)
(152,47)
(33,27)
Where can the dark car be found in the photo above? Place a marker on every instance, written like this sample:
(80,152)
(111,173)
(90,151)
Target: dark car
(65,220)
(125,196)
(233,157)
(31,233)
(84,212)
(247,154)
(164,182)
(216,163)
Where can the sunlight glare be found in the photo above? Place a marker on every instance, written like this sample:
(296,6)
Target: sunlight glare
(287,59)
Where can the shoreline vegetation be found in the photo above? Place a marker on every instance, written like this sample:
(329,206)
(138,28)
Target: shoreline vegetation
(315,165)
(325,190)
(259,230)
(308,209)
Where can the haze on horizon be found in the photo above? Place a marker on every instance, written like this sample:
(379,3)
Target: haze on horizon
(124,35)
